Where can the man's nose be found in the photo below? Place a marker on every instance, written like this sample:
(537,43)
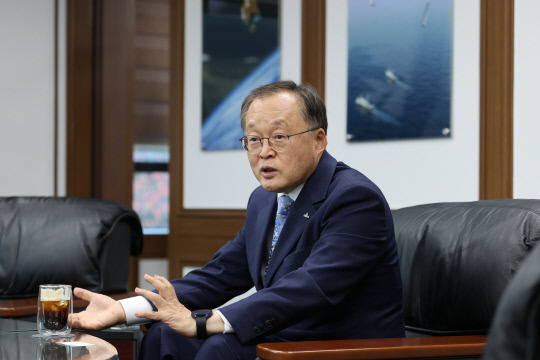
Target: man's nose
(266,147)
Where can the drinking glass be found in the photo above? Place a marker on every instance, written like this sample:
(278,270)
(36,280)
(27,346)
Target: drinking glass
(48,349)
(55,307)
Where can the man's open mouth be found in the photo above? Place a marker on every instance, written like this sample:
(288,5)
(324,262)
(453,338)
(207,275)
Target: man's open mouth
(267,170)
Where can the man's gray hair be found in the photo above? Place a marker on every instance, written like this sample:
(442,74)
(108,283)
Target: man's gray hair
(313,108)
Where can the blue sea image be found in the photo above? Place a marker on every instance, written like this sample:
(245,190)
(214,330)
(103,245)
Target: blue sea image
(399,63)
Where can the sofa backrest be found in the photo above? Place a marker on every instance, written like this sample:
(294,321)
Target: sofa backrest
(65,240)
(457,258)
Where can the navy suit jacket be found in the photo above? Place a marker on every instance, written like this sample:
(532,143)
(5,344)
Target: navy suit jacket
(334,273)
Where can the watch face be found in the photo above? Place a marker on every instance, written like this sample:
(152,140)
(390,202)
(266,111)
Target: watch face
(201,313)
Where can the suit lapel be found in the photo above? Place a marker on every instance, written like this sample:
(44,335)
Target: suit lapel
(313,192)
(264,221)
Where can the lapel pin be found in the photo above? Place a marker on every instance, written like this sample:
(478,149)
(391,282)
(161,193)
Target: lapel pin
(306,215)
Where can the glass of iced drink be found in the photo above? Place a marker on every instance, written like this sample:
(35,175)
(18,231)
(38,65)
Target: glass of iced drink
(48,349)
(55,306)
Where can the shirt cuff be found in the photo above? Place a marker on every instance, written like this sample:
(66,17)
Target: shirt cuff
(228,327)
(132,305)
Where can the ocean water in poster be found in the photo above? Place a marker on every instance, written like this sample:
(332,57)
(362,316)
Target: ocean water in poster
(399,69)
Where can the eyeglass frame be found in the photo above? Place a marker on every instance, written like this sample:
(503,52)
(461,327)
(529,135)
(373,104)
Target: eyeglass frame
(244,144)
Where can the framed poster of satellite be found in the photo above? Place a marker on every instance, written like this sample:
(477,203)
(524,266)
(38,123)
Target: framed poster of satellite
(240,52)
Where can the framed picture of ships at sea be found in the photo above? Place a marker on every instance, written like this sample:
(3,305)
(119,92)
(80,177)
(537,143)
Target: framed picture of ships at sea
(399,69)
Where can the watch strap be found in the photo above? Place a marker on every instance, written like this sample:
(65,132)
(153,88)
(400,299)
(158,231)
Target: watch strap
(200,321)
(201,316)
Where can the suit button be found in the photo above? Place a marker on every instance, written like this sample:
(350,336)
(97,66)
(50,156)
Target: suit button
(268,324)
(273,321)
(257,329)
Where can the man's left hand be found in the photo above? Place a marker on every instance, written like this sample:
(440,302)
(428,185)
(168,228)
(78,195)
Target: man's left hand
(170,310)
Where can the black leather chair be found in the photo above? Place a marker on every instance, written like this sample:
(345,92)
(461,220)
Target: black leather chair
(515,330)
(65,240)
(456,260)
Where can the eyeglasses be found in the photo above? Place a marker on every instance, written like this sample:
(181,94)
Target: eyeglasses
(278,142)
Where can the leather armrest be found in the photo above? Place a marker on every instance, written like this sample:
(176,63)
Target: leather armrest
(399,348)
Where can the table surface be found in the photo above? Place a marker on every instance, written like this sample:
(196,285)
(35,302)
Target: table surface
(28,306)
(469,346)
(16,342)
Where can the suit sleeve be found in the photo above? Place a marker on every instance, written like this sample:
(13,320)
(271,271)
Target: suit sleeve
(223,278)
(350,236)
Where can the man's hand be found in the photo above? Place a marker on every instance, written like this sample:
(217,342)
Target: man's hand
(171,311)
(102,311)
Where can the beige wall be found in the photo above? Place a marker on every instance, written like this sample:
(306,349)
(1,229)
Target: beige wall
(526,99)
(27,98)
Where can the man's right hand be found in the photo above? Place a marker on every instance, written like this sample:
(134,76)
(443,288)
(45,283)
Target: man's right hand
(102,311)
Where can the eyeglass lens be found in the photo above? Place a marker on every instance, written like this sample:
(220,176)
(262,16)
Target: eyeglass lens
(277,142)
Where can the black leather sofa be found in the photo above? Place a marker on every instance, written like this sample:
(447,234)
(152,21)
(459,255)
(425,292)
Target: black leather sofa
(456,261)
(65,240)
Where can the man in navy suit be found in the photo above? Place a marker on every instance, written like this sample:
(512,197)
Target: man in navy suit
(330,271)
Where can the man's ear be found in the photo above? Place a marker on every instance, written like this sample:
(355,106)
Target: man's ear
(321,139)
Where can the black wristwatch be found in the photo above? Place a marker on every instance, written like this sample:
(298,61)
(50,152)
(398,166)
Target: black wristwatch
(200,317)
